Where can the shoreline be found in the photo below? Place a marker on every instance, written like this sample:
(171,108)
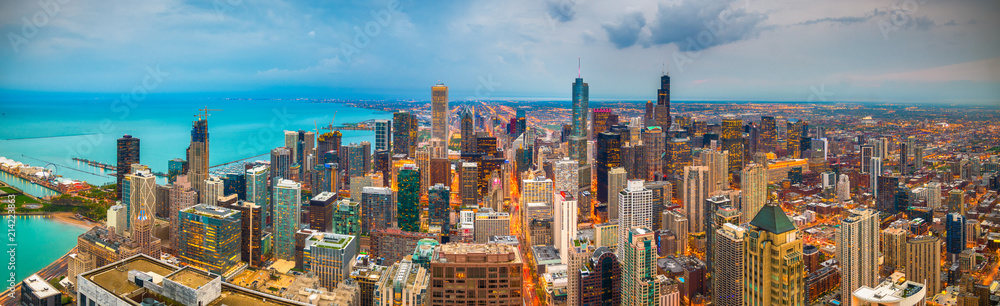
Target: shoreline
(68,218)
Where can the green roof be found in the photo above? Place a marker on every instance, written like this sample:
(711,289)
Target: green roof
(772,219)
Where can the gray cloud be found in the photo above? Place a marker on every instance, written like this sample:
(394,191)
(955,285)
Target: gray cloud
(697,25)
(561,10)
(923,23)
(625,32)
(847,20)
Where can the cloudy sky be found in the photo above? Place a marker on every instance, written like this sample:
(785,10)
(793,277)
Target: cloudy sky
(753,50)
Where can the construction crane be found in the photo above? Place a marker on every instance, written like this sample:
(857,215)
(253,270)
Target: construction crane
(329,127)
(206,110)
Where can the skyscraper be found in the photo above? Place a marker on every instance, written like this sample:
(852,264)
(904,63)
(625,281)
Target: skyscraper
(209,238)
(281,162)
(607,156)
(469,184)
(662,109)
(652,140)
(885,195)
(617,179)
(213,190)
(496,264)
(376,209)
(600,279)
(768,135)
(694,191)
(636,210)
(536,190)
(287,217)
(718,169)
(128,154)
(383,135)
(467,118)
(439,208)
(599,121)
(729,254)
(638,253)
(753,182)
(346,217)
(774,267)
(564,229)
(858,244)
(732,141)
(933,195)
(923,254)
(403,127)
(566,175)
(955,228)
(843,188)
(794,137)
(440,113)
(956,201)
(329,256)
(197,155)
(408,199)
(251,232)
(581,97)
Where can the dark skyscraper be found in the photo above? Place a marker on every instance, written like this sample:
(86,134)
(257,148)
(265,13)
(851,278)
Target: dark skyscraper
(732,141)
(608,155)
(404,133)
(128,154)
(600,279)
(468,121)
(885,198)
(197,155)
(599,121)
(408,199)
(662,109)
(955,229)
(794,137)
(581,96)
(768,135)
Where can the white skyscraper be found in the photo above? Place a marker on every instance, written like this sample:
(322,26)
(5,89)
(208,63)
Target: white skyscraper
(729,253)
(857,241)
(876,171)
(933,195)
(694,192)
(567,173)
(214,189)
(564,228)
(754,184)
(843,188)
(718,169)
(636,204)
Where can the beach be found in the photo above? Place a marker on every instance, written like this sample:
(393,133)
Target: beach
(68,218)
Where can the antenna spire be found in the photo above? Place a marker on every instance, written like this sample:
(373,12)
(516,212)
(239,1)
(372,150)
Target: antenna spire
(578,62)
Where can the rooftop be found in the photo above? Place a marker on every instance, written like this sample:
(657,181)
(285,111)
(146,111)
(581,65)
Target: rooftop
(192,278)
(40,287)
(205,210)
(772,218)
(114,277)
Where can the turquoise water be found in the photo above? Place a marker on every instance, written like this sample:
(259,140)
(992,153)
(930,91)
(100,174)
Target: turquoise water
(40,241)
(26,185)
(45,132)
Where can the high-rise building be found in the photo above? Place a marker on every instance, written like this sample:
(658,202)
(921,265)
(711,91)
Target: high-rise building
(617,179)
(885,194)
(383,135)
(287,217)
(678,156)
(607,156)
(933,195)
(469,184)
(128,154)
(564,229)
(214,188)
(467,118)
(600,120)
(493,274)
(636,210)
(718,169)
(956,201)
(567,176)
(581,97)
(491,223)
(328,256)
(843,188)
(439,207)
(638,261)
(793,137)
(347,217)
(197,155)
(600,279)
(867,152)
(209,238)
(404,132)
(774,266)
(718,211)
(662,109)
(694,191)
(537,190)
(732,141)
(652,141)
(857,241)
(768,135)
(281,163)
(440,113)
(893,248)
(729,254)
(320,211)
(955,229)
(923,261)
(252,250)
(408,199)
(753,182)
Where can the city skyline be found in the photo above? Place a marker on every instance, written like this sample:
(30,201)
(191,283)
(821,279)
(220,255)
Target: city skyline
(879,51)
